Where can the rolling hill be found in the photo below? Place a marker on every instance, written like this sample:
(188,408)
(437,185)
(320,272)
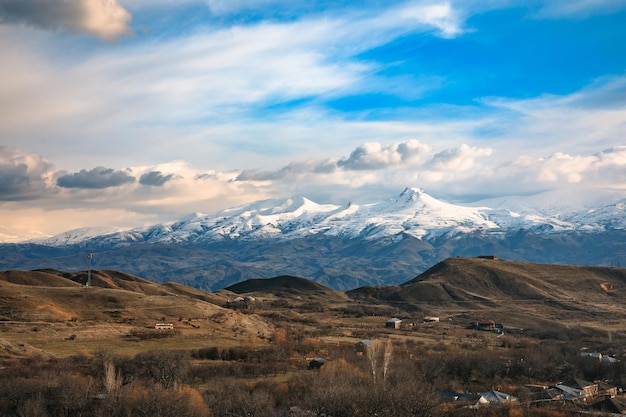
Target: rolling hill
(511,292)
(545,299)
(287,286)
(49,308)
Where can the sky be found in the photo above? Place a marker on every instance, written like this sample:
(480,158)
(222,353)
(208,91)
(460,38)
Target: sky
(126,113)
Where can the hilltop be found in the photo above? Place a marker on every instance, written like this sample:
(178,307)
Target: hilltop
(515,292)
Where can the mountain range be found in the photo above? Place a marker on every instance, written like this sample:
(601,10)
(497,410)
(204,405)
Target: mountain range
(342,246)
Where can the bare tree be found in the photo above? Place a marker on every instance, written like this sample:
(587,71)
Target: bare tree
(33,407)
(112,378)
(165,368)
(373,351)
(387,356)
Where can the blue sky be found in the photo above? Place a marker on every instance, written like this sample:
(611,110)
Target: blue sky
(130,112)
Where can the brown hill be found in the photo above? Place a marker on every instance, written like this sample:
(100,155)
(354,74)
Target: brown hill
(41,308)
(284,283)
(492,279)
(43,278)
(512,291)
(114,296)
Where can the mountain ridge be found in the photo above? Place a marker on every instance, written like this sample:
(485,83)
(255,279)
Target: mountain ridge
(341,246)
(413,212)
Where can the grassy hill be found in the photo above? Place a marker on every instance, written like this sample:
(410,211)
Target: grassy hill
(55,312)
(513,292)
(37,307)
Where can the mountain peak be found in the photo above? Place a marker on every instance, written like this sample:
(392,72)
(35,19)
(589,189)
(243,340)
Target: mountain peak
(414,212)
(411,194)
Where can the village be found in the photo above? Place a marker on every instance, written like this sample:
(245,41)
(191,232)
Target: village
(572,393)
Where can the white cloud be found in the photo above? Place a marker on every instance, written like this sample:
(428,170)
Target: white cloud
(449,172)
(373,155)
(442,16)
(591,118)
(202,96)
(207,82)
(459,159)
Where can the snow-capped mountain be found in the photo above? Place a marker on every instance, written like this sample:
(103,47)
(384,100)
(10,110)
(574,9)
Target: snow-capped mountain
(343,246)
(413,213)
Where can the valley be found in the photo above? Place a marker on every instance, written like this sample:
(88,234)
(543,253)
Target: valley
(261,336)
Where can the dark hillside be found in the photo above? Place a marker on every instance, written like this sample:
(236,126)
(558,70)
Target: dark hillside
(279,284)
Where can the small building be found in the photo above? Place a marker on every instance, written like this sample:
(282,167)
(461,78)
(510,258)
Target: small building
(611,405)
(393,323)
(594,355)
(477,400)
(576,389)
(317,363)
(599,356)
(587,388)
(486,325)
(492,257)
(362,346)
(495,397)
(465,398)
(607,390)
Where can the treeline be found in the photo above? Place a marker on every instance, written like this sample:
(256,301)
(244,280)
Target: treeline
(388,380)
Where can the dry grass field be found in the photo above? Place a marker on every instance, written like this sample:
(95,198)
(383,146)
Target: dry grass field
(49,313)
(245,350)
(53,313)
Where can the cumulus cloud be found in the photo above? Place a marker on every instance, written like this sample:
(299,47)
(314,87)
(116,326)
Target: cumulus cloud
(105,19)
(96,178)
(373,155)
(601,166)
(22,176)
(458,159)
(370,156)
(560,169)
(155,178)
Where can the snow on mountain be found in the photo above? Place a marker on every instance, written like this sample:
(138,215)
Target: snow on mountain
(612,216)
(77,236)
(413,213)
